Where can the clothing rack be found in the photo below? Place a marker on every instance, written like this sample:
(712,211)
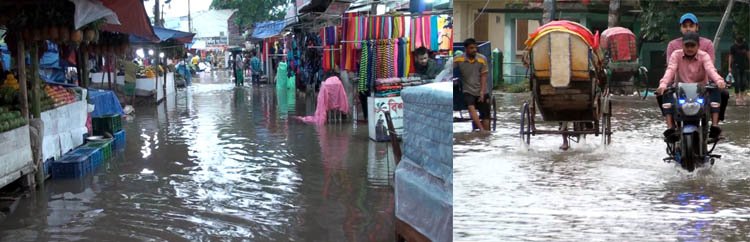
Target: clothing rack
(407,15)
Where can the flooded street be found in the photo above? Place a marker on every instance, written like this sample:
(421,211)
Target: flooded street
(622,193)
(219,163)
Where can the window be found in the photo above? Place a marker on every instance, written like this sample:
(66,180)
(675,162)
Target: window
(221,33)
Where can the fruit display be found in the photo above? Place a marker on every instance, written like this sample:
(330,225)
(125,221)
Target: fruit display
(10,82)
(55,96)
(10,120)
(8,96)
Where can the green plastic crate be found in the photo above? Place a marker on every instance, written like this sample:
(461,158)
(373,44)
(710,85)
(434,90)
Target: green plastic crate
(105,146)
(110,124)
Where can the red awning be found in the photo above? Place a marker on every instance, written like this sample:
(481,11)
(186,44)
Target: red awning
(133,19)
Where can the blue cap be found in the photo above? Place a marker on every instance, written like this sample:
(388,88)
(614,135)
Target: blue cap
(689,16)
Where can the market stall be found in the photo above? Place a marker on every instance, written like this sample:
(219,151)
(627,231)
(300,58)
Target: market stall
(56,112)
(379,51)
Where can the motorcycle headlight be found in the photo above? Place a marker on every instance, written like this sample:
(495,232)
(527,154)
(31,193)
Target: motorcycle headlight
(691,108)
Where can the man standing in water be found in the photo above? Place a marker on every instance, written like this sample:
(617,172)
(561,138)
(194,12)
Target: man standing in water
(255,68)
(474,69)
(738,64)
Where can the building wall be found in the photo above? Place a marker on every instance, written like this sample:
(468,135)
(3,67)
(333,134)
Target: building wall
(235,32)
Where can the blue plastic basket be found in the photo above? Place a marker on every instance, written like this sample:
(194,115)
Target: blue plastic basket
(70,166)
(120,140)
(94,155)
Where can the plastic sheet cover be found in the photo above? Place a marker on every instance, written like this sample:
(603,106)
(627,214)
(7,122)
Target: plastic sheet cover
(424,177)
(105,102)
(88,11)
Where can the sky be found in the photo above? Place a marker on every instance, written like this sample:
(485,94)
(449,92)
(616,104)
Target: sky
(177,8)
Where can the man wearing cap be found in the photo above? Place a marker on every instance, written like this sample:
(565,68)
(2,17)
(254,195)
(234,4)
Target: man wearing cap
(690,65)
(689,23)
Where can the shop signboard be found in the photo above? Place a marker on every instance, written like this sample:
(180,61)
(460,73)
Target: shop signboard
(378,127)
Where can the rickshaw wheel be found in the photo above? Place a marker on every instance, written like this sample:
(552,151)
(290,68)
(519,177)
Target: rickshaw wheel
(494,114)
(525,124)
(606,122)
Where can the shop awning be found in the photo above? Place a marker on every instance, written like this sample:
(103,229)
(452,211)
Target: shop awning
(165,34)
(132,17)
(268,29)
(199,45)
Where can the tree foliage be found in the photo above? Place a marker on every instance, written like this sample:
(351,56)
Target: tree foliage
(253,11)
(659,16)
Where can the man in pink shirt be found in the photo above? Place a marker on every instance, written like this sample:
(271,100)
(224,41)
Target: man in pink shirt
(690,65)
(689,23)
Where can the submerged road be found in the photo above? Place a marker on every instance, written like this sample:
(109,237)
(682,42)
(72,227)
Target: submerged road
(215,162)
(506,191)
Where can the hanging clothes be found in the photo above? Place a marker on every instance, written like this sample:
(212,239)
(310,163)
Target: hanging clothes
(363,69)
(434,44)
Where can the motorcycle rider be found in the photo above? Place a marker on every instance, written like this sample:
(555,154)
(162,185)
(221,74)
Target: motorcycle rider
(689,23)
(690,65)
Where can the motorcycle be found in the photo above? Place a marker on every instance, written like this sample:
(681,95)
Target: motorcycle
(691,116)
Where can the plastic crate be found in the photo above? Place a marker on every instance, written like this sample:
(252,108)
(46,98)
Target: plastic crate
(104,146)
(48,167)
(106,124)
(120,140)
(94,155)
(70,166)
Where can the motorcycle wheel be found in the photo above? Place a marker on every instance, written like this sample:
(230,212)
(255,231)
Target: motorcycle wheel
(689,153)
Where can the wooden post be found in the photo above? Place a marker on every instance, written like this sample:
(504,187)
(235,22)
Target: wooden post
(549,7)
(84,62)
(35,97)
(109,72)
(394,137)
(613,19)
(21,62)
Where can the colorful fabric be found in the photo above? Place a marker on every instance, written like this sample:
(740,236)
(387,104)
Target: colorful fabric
(332,96)
(363,67)
(434,44)
(566,26)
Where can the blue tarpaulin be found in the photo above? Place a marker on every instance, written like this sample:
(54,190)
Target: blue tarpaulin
(268,29)
(105,103)
(6,57)
(165,34)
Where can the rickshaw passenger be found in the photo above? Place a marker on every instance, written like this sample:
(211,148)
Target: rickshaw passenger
(690,65)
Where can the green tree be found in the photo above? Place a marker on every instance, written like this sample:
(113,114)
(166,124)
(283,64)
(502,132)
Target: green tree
(253,11)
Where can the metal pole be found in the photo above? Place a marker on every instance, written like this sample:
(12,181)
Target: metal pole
(190,20)
(723,23)
(21,62)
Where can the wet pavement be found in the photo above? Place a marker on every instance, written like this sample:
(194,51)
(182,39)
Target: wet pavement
(505,191)
(218,163)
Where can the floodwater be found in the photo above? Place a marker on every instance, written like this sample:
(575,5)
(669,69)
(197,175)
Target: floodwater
(218,163)
(505,191)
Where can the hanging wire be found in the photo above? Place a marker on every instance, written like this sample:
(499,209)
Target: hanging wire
(481,12)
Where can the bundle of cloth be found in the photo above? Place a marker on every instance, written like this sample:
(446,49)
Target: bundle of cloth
(410,82)
(388,87)
(332,96)
(564,26)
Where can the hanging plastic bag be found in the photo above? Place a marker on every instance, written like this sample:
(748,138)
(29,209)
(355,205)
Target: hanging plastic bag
(88,11)
(729,80)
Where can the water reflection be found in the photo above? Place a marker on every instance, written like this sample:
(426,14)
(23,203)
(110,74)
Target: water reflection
(219,163)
